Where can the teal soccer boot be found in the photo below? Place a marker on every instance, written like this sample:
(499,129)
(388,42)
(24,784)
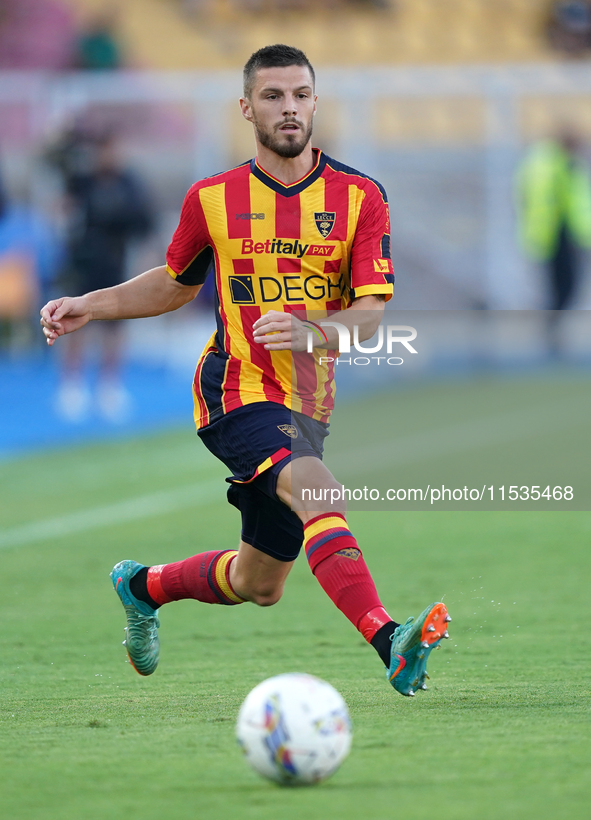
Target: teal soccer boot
(142,644)
(412,643)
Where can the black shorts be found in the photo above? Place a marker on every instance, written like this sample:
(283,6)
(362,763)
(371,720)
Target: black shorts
(255,442)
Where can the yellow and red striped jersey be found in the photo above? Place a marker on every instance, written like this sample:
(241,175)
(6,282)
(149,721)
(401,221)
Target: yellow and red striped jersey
(314,245)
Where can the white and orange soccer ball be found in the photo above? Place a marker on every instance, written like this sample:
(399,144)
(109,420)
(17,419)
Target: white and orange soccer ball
(294,729)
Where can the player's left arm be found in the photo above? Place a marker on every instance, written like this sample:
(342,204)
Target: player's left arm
(284,331)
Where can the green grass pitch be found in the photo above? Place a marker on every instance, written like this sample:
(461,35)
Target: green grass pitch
(503,732)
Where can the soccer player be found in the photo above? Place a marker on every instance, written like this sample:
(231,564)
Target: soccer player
(289,232)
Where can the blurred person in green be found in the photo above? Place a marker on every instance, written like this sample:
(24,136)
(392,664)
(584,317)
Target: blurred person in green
(554,212)
(97,48)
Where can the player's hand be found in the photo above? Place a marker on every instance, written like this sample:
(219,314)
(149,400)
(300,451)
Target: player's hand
(61,316)
(280,331)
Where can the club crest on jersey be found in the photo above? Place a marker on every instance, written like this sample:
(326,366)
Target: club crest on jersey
(289,429)
(325,222)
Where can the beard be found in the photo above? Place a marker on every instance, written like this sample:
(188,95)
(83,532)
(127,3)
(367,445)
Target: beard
(290,147)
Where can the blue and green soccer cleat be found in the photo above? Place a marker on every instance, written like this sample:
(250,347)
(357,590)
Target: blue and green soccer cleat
(142,644)
(412,643)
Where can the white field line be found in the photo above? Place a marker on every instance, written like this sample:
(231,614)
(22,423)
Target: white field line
(484,432)
(145,506)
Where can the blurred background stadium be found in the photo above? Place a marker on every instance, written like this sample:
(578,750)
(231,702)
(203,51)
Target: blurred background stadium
(439,99)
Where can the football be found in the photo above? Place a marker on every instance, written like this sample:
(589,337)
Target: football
(294,729)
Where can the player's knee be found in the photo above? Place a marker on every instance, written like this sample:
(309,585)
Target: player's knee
(265,595)
(327,498)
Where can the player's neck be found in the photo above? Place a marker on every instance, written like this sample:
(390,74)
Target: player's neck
(286,170)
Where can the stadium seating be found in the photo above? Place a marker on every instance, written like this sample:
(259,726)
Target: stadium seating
(179,34)
(35,34)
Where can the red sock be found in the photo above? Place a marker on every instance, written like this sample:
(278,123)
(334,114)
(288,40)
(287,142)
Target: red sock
(205,577)
(337,562)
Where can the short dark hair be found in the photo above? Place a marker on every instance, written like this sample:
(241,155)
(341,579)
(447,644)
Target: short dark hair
(277,56)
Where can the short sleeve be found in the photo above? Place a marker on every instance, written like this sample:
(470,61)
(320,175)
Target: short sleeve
(371,265)
(190,254)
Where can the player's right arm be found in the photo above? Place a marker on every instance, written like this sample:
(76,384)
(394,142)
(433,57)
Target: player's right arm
(149,294)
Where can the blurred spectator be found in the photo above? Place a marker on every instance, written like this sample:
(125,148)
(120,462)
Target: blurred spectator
(569,28)
(97,48)
(107,207)
(29,257)
(35,34)
(30,254)
(554,204)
